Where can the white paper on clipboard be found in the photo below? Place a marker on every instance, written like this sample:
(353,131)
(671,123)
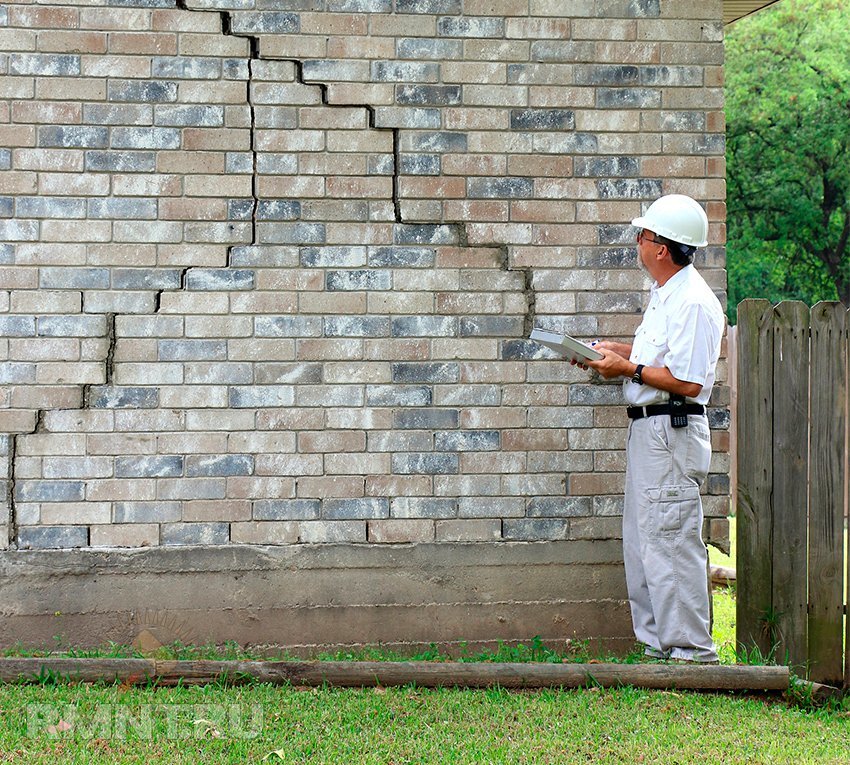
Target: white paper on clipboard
(573,349)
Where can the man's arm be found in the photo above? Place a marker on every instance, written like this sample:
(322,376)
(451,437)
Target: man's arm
(615,365)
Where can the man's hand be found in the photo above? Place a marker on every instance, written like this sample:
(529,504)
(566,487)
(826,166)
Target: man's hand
(612,365)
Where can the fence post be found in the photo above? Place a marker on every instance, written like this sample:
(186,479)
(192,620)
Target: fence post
(826,491)
(754,516)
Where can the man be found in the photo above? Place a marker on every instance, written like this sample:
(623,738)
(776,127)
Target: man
(669,372)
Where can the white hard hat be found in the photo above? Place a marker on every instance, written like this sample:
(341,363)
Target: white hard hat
(676,217)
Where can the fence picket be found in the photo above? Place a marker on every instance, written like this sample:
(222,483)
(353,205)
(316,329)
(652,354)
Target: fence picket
(826,491)
(755,472)
(791,452)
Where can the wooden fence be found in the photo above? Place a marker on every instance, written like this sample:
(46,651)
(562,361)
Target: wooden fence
(792,456)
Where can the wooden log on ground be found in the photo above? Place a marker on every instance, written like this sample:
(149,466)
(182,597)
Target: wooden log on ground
(421,673)
(723,576)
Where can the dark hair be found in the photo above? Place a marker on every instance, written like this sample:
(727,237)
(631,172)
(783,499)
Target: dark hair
(682,254)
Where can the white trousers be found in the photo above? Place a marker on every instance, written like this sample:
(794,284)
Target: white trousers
(664,554)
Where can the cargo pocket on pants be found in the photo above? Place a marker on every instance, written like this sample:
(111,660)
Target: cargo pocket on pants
(671,506)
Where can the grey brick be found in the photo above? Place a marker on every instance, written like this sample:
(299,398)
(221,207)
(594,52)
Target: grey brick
(370,280)
(277,164)
(565,143)
(380,164)
(619,9)
(407,117)
(606,167)
(122,208)
(19,230)
(521,350)
(440,142)
(291,233)
(532,529)
(219,465)
(398,395)
(542,119)
(403,257)
(192,350)
(215,279)
(7,207)
(114,397)
(608,506)
(632,188)
(152,91)
(399,441)
(360,6)
(276,22)
(145,138)
(5,159)
(489,507)
(49,491)
(289,373)
(617,257)
(418,48)
(58,325)
(419,164)
(333,257)
(491,326)
(50,207)
(7,253)
(426,419)
(240,209)
(418,372)
(482,26)
(189,115)
(262,256)
(470,395)
(114,114)
(250,397)
(17,326)
(235,69)
(500,188)
(120,161)
(288,326)
(613,233)
(467,441)
(672,76)
(628,98)
(353,509)
(603,74)
(559,507)
(405,71)
(44,64)
(240,163)
(683,122)
(427,95)
(186,67)
(596,395)
(616,302)
(287,509)
(356,326)
(563,51)
(423,507)
(195,533)
(191,488)
(429,6)
(12,373)
(336,70)
(74,278)
(72,137)
(144,466)
(51,537)
(278,209)
(145,278)
(147,512)
(425,464)
(424,326)
(718,419)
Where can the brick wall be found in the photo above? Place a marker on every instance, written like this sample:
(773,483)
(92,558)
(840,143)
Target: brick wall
(268,267)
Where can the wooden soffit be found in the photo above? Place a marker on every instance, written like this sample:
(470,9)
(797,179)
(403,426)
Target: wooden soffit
(736,9)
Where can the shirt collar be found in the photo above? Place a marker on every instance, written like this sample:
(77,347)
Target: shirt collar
(670,286)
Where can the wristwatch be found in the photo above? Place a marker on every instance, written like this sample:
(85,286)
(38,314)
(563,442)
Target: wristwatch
(637,377)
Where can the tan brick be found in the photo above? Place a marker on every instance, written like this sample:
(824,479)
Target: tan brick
(398,486)
(357,464)
(484,530)
(330,486)
(214,44)
(121,489)
(299,46)
(353,47)
(265,532)
(374,94)
(60,88)
(395,531)
(72,42)
(229,510)
(125,535)
(535,440)
(76,513)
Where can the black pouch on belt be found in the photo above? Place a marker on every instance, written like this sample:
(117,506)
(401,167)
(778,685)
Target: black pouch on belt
(678,414)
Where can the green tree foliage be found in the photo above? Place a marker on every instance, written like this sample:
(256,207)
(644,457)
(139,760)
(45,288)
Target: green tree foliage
(788,165)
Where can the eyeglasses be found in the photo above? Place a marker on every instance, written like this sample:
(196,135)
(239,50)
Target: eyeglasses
(642,236)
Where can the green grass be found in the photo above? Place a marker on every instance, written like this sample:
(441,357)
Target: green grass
(257,723)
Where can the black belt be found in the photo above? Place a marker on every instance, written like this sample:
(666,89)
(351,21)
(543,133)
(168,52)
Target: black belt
(639,412)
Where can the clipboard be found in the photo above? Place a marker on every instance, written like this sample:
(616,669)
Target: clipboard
(573,349)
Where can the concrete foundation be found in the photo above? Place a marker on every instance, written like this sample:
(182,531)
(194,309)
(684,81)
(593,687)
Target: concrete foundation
(311,597)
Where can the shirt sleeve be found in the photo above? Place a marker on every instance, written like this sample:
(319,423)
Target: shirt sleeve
(693,344)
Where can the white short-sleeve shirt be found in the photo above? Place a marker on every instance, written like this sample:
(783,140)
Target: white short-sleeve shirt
(681,330)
